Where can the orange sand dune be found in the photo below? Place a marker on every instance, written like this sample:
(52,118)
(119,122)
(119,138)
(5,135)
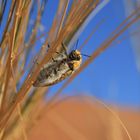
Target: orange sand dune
(76,119)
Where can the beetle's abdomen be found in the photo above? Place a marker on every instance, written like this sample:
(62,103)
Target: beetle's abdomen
(53,74)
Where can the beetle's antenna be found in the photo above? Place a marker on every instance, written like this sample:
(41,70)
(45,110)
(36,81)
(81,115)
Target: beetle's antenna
(86,55)
(64,48)
(77,42)
(49,46)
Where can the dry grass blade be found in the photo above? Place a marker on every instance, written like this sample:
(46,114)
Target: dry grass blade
(2,9)
(63,17)
(91,34)
(8,22)
(22,33)
(12,43)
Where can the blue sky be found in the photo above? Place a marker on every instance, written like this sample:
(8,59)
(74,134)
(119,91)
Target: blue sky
(113,76)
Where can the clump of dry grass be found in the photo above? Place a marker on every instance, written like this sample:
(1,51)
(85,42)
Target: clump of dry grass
(18,104)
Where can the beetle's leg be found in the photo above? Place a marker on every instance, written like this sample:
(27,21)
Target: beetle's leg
(35,61)
(49,46)
(56,52)
(54,60)
(65,49)
(71,66)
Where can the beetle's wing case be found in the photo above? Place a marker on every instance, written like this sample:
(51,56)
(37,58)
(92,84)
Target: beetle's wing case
(53,74)
(58,58)
(59,68)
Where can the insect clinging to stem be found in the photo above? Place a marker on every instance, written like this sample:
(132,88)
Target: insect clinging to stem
(59,68)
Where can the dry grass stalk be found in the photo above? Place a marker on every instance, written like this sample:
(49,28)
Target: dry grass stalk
(16,48)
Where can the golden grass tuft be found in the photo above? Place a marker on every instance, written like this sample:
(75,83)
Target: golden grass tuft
(20,107)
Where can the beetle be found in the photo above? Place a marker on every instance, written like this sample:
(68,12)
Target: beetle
(59,68)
